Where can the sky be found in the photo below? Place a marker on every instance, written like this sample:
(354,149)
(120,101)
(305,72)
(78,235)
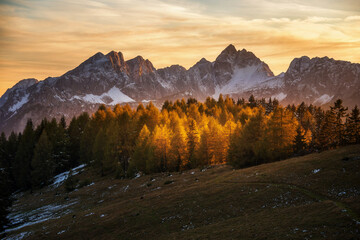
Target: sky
(42,38)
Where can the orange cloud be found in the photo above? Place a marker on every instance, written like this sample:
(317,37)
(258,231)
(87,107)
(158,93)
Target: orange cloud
(47,39)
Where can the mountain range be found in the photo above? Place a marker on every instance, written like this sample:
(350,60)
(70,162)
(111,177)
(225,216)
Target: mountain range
(109,79)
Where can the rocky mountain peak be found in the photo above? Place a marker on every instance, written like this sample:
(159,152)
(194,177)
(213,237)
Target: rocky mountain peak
(98,56)
(117,61)
(140,66)
(25,83)
(202,61)
(299,64)
(227,55)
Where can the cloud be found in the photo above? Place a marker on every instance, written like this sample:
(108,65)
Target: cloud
(47,38)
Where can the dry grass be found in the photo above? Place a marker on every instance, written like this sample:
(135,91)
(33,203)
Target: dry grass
(281,200)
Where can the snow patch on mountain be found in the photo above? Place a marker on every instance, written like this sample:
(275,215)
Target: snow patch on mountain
(112,97)
(281,96)
(242,79)
(324,99)
(20,103)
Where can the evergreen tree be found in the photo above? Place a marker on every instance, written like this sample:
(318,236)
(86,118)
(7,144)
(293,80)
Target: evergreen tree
(75,131)
(43,165)
(299,141)
(98,151)
(24,154)
(252,101)
(353,126)
(11,149)
(61,147)
(5,197)
(327,136)
(340,112)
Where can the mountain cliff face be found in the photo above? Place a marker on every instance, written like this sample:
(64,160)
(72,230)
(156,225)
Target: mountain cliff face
(109,79)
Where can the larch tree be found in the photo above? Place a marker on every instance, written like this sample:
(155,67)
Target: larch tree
(281,132)
(193,141)
(178,159)
(141,158)
(248,146)
(161,139)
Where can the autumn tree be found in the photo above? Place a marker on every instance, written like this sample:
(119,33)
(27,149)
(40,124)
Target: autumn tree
(193,141)
(161,139)
(179,152)
(142,157)
(281,131)
(248,146)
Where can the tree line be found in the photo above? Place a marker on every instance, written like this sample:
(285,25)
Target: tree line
(184,134)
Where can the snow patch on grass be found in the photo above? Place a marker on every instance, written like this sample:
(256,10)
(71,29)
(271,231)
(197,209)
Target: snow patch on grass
(61,178)
(19,220)
(61,232)
(18,236)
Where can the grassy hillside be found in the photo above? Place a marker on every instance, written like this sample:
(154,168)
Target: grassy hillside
(312,197)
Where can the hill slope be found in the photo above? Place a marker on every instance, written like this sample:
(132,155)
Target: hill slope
(316,196)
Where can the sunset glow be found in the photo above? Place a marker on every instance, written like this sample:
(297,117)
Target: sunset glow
(47,38)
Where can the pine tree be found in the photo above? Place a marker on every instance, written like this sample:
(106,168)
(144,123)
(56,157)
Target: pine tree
(61,147)
(327,134)
(42,164)
(5,197)
(24,154)
(299,141)
(98,151)
(113,151)
(353,126)
(340,112)
(75,130)
(252,101)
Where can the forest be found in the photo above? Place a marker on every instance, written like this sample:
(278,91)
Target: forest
(184,134)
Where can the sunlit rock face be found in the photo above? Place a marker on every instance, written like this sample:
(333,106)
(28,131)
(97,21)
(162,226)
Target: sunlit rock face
(109,79)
